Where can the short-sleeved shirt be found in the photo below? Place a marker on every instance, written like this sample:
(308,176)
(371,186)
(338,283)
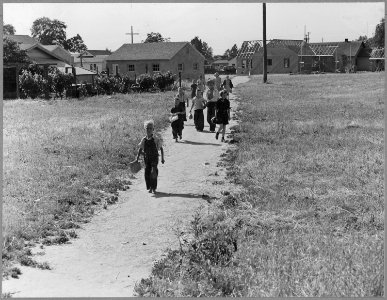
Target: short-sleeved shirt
(198,103)
(156,139)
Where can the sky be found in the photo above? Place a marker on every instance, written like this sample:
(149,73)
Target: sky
(220,25)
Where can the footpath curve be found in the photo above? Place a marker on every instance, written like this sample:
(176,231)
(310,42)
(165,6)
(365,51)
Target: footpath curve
(119,246)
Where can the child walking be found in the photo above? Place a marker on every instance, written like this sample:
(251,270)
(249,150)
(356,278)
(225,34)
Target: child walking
(198,104)
(212,96)
(177,125)
(222,112)
(150,146)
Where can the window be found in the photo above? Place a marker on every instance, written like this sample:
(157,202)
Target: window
(251,63)
(243,63)
(286,62)
(115,69)
(130,68)
(196,66)
(156,68)
(180,67)
(91,67)
(269,62)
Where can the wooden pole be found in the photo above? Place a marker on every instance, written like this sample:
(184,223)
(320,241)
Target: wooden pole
(264,45)
(179,79)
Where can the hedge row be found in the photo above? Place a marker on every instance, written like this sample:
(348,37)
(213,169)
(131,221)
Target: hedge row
(33,84)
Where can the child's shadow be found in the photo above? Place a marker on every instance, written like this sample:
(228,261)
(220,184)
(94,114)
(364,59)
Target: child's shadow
(163,194)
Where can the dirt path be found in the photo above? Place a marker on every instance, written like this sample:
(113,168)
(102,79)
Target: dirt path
(118,247)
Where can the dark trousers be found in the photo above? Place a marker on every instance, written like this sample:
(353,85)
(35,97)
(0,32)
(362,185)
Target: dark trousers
(199,119)
(151,177)
(210,115)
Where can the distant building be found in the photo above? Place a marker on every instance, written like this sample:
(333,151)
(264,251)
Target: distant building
(220,63)
(148,58)
(292,56)
(93,60)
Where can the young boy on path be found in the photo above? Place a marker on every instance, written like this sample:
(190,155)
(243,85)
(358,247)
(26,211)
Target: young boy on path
(150,146)
(198,104)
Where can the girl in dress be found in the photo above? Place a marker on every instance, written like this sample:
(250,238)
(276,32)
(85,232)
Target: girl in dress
(222,112)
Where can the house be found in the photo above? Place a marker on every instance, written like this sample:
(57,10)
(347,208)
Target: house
(354,55)
(93,60)
(377,60)
(149,58)
(244,57)
(42,55)
(220,64)
(292,56)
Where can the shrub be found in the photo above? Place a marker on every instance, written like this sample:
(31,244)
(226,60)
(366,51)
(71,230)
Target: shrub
(60,81)
(145,81)
(163,81)
(105,85)
(126,83)
(31,85)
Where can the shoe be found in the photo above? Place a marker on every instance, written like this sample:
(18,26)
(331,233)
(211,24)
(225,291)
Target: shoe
(176,140)
(150,191)
(180,137)
(217,135)
(223,140)
(154,191)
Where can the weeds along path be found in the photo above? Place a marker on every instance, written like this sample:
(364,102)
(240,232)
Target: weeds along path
(119,246)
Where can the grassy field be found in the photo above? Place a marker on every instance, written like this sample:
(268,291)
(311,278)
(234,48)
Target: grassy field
(63,159)
(310,221)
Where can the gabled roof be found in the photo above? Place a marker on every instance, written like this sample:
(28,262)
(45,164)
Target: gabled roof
(61,52)
(22,40)
(28,43)
(347,48)
(377,53)
(248,48)
(99,52)
(323,50)
(148,51)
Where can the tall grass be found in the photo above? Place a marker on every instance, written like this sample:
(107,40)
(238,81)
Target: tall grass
(310,219)
(61,157)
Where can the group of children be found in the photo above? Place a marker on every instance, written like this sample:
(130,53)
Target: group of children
(218,112)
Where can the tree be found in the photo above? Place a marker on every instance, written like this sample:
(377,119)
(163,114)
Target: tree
(75,44)
(202,47)
(155,37)
(378,39)
(8,29)
(231,53)
(49,32)
(12,52)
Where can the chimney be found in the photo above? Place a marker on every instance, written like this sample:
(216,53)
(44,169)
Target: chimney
(346,40)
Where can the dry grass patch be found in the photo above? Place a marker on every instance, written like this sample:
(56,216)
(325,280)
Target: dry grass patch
(310,221)
(63,157)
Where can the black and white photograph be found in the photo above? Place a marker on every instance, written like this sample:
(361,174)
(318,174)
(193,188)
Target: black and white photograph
(193,149)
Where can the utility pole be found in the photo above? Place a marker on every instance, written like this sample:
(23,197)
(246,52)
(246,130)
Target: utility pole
(132,33)
(264,44)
